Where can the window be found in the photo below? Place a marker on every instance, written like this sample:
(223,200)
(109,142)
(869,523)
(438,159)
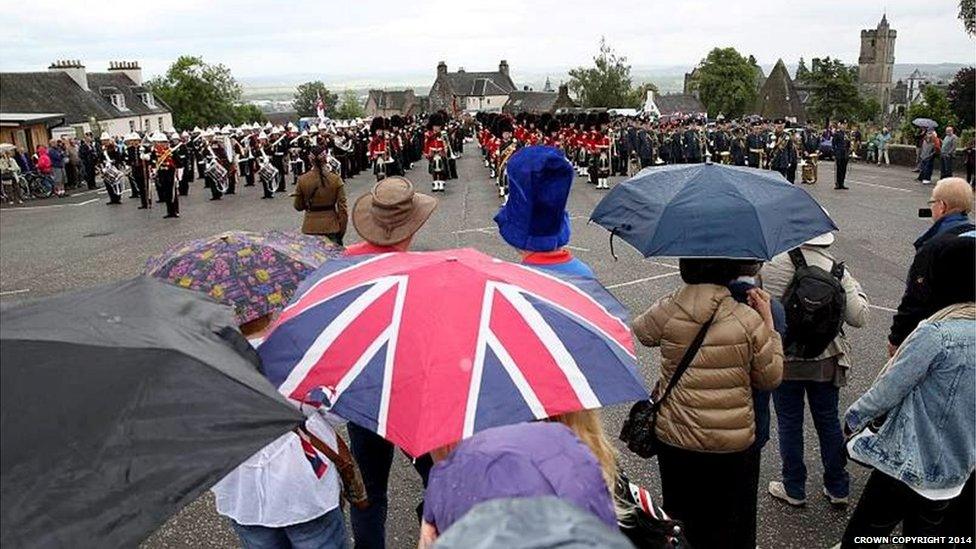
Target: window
(118,100)
(132,125)
(148,125)
(159,122)
(148,99)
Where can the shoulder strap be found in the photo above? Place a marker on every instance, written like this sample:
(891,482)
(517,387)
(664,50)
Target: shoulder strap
(683,365)
(837,269)
(796,256)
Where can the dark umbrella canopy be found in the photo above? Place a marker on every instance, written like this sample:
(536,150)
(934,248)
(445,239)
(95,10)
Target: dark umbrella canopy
(925,123)
(120,405)
(711,210)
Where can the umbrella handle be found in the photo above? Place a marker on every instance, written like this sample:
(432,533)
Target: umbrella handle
(613,232)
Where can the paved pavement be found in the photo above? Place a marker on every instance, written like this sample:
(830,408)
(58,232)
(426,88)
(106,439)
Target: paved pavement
(62,244)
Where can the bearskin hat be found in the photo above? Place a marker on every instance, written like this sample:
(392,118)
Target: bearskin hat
(544,120)
(552,126)
(531,119)
(378,123)
(603,118)
(396,121)
(435,119)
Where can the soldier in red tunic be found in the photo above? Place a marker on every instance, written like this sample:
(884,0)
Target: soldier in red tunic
(435,149)
(602,151)
(379,148)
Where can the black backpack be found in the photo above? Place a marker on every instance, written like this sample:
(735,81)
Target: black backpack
(814,303)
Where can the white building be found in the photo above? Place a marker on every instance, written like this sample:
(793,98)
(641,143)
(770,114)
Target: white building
(115,101)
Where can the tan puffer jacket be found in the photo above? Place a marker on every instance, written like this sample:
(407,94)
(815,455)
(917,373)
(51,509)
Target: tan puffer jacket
(710,409)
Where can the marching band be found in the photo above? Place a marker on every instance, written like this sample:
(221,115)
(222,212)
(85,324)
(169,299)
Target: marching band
(598,145)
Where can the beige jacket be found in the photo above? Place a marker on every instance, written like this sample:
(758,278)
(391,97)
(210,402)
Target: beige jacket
(777,275)
(324,204)
(710,409)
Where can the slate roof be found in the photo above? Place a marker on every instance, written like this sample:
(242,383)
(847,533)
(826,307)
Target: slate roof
(393,100)
(678,102)
(531,101)
(480,83)
(53,91)
(779,98)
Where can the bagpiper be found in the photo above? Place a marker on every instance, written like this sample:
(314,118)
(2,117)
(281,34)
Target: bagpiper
(435,150)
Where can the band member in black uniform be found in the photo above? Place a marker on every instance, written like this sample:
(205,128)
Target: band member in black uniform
(677,146)
(756,145)
(263,156)
(783,153)
(136,157)
(841,145)
(167,170)
(692,142)
(737,146)
(216,153)
(722,142)
(182,154)
(279,146)
(111,162)
(199,154)
(811,153)
(245,159)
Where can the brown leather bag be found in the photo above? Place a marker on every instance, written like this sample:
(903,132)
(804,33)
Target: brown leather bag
(353,489)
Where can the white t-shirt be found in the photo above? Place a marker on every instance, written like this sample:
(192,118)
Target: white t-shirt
(277,486)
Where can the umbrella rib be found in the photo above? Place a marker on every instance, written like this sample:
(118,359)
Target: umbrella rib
(477,370)
(381,420)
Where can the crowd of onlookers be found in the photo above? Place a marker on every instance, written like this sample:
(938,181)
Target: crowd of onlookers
(748,350)
(65,163)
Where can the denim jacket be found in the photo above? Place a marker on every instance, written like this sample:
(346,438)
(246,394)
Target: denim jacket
(929,395)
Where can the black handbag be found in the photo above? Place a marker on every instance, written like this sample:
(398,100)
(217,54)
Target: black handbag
(638,429)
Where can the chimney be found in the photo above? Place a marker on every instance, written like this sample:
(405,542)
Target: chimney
(503,67)
(74,69)
(129,68)
(441,68)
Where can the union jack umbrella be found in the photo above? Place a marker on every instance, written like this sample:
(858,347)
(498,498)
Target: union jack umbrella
(427,348)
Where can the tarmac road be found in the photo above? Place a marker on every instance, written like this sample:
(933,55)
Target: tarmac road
(62,244)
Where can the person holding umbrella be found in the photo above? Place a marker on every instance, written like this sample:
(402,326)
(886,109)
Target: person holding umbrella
(927,158)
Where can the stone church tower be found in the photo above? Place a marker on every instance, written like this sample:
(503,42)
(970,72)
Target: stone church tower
(876,63)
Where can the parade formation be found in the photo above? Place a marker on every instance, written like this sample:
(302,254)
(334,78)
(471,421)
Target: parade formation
(163,164)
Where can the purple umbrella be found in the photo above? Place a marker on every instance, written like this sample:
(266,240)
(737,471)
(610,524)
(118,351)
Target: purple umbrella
(517,461)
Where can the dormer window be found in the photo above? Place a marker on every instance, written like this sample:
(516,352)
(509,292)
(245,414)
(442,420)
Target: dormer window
(147,98)
(118,101)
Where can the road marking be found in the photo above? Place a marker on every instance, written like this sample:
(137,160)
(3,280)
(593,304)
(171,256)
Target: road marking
(885,309)
(576,248)
(86,202)
(883,187)
(639,280)
(45,206)
(478,230)
(12,292)
(660,263)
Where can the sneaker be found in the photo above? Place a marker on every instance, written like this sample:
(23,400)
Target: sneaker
(835,501)
(778,491)
(926,182)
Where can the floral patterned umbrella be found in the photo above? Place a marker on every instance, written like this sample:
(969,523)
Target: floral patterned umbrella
(256,273)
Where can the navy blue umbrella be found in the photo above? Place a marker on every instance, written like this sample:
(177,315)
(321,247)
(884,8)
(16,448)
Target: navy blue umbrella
(711,210)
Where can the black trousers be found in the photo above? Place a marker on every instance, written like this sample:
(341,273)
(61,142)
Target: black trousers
(791,173)
(840,165)
(886,502)
(712,494)
(167,192)
(139,188)
(278,161)
(113,197)
(215,193)
(89,168)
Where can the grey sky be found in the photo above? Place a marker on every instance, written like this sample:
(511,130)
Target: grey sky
(272,38)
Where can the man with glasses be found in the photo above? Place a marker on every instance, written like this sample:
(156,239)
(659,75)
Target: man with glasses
(950,206)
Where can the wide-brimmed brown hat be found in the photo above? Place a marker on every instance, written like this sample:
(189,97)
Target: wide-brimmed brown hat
(391,212)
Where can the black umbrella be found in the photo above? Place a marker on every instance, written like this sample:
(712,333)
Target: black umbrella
(120,405)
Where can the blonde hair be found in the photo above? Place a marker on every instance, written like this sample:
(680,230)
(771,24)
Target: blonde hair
(588,426)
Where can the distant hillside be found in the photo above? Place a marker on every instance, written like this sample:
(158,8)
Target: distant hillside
(668,79)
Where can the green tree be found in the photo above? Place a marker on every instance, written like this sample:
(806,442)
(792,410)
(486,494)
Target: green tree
(802,72)
(350,106)
(833,90)
(934,105)
(247,112)
(967,14)
(606,84)
(962,96)
(199,94)
(726,82)
(307,94)
(870,109)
